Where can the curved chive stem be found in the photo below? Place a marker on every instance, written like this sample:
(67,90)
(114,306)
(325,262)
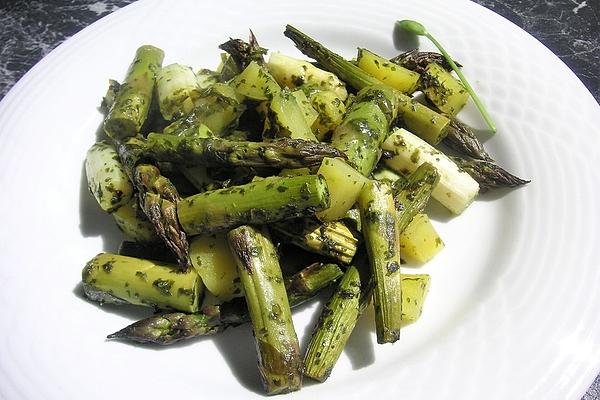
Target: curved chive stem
(418,29)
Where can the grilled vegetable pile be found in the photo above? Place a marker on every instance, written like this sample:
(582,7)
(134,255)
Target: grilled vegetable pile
(221,181)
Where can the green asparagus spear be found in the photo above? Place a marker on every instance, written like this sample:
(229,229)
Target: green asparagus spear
(243,53)
(277,345)
(191,151)
(142,282)
(336,323)
(366,126)
(106,177)
(110,96)
(428,124)
(463,140)
(488,175)
(132,104)
(159,200)
(268,200)
(304,284)
(414,194)
(380,228)
(331,239)
(169,328)
(158,197)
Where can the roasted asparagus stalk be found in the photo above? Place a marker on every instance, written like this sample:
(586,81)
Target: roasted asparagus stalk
(263,201)
(132,103)
(120,279)
(106,177)
(380,228)
(191,151)
(332,239)
(365,127)
(277,345)
(158,197)
(336,322)
(413,195)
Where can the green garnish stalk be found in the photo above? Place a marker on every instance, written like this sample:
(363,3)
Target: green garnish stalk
(263,201)
(130,109)
(115,278)
(336,323)
(212,152)
(169,328)
(331,239)
(279,360)
(418,29)
(380,228)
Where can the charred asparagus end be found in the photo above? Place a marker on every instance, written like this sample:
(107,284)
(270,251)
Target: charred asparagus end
(489,175)
(159,202)
(169,328)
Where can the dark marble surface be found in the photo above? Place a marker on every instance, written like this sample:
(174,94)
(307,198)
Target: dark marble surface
(570,28)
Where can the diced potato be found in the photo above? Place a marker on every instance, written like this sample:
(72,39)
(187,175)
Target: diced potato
(414,292)
(310,114)
(387,72)
(419,242)
(176,89)
(255,82)
(287,117)
(330,110)
(455,190)
(344,184)
(291,72)
(212,259)
(133,223)
(446,92)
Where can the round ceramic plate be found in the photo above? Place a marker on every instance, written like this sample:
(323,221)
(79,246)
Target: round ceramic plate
(515,295)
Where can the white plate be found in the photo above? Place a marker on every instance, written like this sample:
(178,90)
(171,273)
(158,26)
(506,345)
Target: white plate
(515,296)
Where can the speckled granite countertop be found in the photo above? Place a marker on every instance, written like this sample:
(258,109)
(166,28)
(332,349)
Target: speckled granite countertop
(570,28)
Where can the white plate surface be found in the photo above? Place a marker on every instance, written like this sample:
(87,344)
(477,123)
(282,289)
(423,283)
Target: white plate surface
(515,296)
